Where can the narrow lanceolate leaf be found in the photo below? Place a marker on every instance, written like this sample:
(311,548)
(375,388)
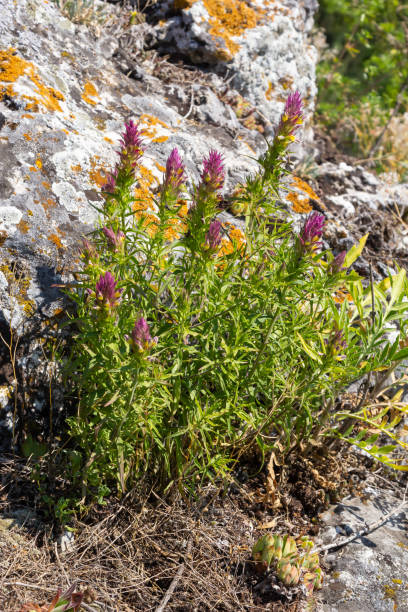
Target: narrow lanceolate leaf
(308,349)
(398,282)
(355,252)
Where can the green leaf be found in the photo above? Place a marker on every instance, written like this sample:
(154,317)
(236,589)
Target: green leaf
(31,447)
(308,349)
(355,252)
(397,287)
(402,354)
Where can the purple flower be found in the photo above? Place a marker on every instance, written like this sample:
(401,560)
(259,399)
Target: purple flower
(131,145)
(175,175)
(336,344)
(88,250)
(312,232)
(106,292)
(115,239)
(213,174)
(141,339)
(291,117)
(338,262)
(214,235)
(110,185)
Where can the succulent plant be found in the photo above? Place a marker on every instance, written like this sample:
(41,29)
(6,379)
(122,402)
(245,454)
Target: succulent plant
(290,563)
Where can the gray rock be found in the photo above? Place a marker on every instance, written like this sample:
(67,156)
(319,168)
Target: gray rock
(264,46)
(368,574)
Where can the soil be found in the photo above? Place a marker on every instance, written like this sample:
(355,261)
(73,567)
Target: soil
(130,550)
(127,553)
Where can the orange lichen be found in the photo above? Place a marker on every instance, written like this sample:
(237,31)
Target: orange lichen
(12,67)
(268,93)
(297,182)
(301,201)
(160,167)
(150,131)
(97,173)
(22,284)
(90,92)
(227,18)
(144,208)
(38,163)
(56,240)
(27,116)
(108,140)
(65,131)
(235,241)
(160,139)
(77,168)
(33,169)
(46,185)
(299,204)
(23,226)
(152,120)
(143,196)
(27,136)
(47,204)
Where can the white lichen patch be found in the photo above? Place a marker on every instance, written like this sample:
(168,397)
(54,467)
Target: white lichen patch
(74,201)
(10,217)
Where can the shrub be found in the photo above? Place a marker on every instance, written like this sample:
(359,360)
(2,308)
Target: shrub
(364,64)
(197,343)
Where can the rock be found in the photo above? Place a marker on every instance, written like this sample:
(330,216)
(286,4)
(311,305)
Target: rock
(369,573)
(264,46)
(66,541)
(358,202)
(64,102)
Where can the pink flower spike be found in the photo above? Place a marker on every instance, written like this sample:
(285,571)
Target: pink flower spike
(175,175)
(312,232)
(132,136)
(293,106)
(292,116)
(88,250)
(106,291)
(338,262)
(115,240)
(213,174)
(214,235)
(132,146)
(141,339)
(110,185)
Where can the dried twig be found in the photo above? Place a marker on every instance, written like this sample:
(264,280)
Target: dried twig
(174,582)
(343,541)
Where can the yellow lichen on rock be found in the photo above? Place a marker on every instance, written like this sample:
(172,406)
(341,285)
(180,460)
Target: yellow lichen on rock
(12,67)
(228,18)
(89,93)
(301,201)
(300,204)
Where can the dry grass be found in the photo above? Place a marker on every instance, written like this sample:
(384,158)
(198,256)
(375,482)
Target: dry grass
(130,552)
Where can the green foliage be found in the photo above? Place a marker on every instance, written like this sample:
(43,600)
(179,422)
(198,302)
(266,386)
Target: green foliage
(241,341)
(366,62)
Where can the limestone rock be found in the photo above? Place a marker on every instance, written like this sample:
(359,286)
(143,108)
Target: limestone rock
(369,573)
(263,45)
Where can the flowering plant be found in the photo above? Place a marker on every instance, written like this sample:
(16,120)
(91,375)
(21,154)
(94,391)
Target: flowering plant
(197,341)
